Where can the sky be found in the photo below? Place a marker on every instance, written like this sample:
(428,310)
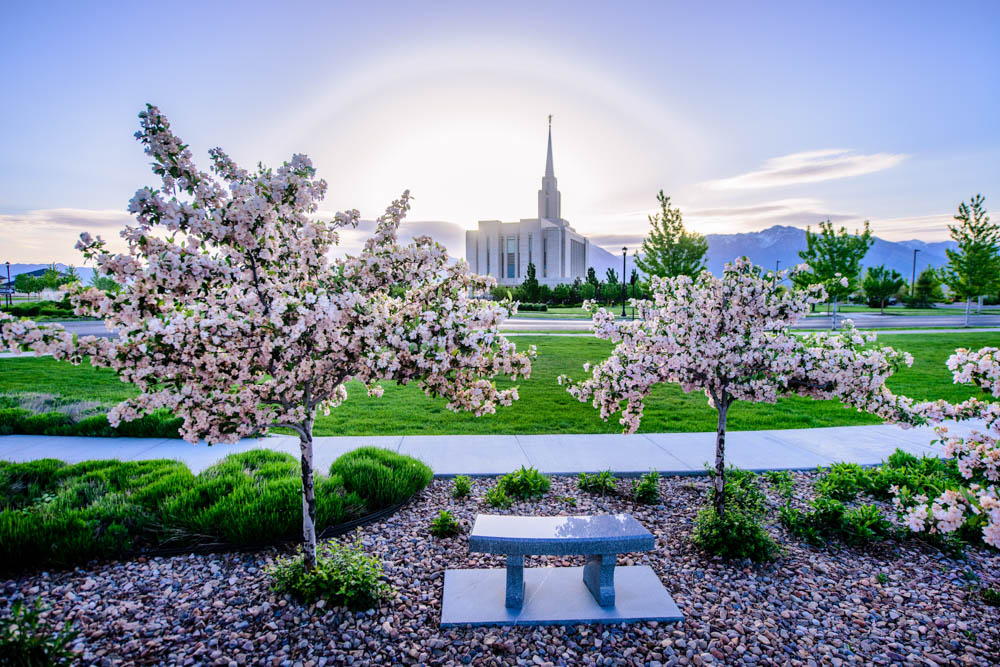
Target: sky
(746,114)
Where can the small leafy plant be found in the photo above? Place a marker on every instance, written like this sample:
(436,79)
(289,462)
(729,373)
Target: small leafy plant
(782,482)
(991,596)
(461,487)
(25,641)
(524,484)
(445,525)
(497,497)
(345,575)
(841,481)
(647,489)
(829,519)
(739,531)
(602,483)
(882,578)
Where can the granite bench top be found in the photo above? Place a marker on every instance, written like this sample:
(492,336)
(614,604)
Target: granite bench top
(558,535)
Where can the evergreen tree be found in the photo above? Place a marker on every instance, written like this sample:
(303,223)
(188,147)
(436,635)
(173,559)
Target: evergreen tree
(529,288)
(670,250)
(927,289)
(974,269)
(612,287)
(834,259)
(880,283)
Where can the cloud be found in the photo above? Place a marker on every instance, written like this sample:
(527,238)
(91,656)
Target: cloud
(809,167)
(614,242)
(794,211)
(79,219)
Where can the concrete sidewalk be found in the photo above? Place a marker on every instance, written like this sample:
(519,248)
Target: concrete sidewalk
(448,455)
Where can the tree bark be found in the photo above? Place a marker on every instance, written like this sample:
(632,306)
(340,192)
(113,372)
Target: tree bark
(720,457)
(968,308)
(308,495)
(833,323)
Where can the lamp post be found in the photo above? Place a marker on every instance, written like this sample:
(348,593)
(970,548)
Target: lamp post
(624,294)
(776,263)
(9,291)
(913,276)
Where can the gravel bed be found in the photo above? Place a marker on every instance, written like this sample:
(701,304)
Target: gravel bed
(812,606)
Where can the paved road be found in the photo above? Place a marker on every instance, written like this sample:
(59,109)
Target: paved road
(448,455)
(861,320)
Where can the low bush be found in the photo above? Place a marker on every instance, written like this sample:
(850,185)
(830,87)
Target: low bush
(461,487)
(445,525)
(829,519)
(497,497)
(738,532)
(841,481)
(524,484)
(782,482)
(344,576)
(647,489)
(380,476)
(57,514)
(532,307)
(18,421)
(602,483)
(26,642)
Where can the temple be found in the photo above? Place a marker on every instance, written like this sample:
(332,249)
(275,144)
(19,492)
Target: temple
(504,249)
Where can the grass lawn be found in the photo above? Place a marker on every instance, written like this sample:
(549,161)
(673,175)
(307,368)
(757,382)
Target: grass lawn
(545,407)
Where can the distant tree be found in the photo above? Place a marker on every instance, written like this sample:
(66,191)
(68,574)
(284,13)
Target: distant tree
(106,284)
(562,294)
(529,287)
(670,250)
(974,269)
(574,292)
(612,287)
(834,259)
(27,284)
(880,283)
(544,294)
(927,289)
(588,292)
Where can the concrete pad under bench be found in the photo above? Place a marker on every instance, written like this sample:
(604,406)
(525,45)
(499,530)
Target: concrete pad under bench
(553,596)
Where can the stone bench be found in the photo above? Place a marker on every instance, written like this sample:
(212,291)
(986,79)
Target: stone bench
(600,538)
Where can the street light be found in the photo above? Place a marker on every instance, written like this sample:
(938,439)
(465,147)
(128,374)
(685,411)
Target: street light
(913,277)
(776,263)
(624,294)
(9,291)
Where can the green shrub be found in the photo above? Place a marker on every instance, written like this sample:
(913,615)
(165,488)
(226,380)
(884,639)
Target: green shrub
(461,487)
(381,477)
(345,575)
(991,596)
(830,520)
(647,489)
(63,515)
(26,642)
(524,484)
(497,497)
(602,483)
(532,307)
(737,534)
(841,481)
(782,482)
(445,525)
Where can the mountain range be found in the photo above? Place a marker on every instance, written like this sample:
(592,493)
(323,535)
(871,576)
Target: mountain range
(783,243)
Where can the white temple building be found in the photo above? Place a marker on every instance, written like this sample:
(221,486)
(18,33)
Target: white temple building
(504,249)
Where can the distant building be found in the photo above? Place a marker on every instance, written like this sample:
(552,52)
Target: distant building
(504,249)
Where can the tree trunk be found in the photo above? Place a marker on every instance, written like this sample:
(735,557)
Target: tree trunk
(308,495)
(720,458)
(882,307)
(968,308)
(833,322)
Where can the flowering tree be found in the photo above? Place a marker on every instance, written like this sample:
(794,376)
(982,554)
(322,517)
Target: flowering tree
(730,338)
(977,504)
(232,315)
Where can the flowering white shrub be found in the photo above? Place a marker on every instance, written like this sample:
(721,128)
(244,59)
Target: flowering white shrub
(978,456)
(233,316)
(730,337)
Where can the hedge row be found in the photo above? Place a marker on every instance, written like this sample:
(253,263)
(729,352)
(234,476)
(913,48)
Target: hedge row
(54,514)
(532,307)
(18,421)
(41,309)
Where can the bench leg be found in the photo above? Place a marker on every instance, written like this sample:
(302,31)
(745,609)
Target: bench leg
(599,575)
(515,582)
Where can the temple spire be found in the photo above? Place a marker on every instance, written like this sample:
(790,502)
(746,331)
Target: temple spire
(549,204)
(549,172)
